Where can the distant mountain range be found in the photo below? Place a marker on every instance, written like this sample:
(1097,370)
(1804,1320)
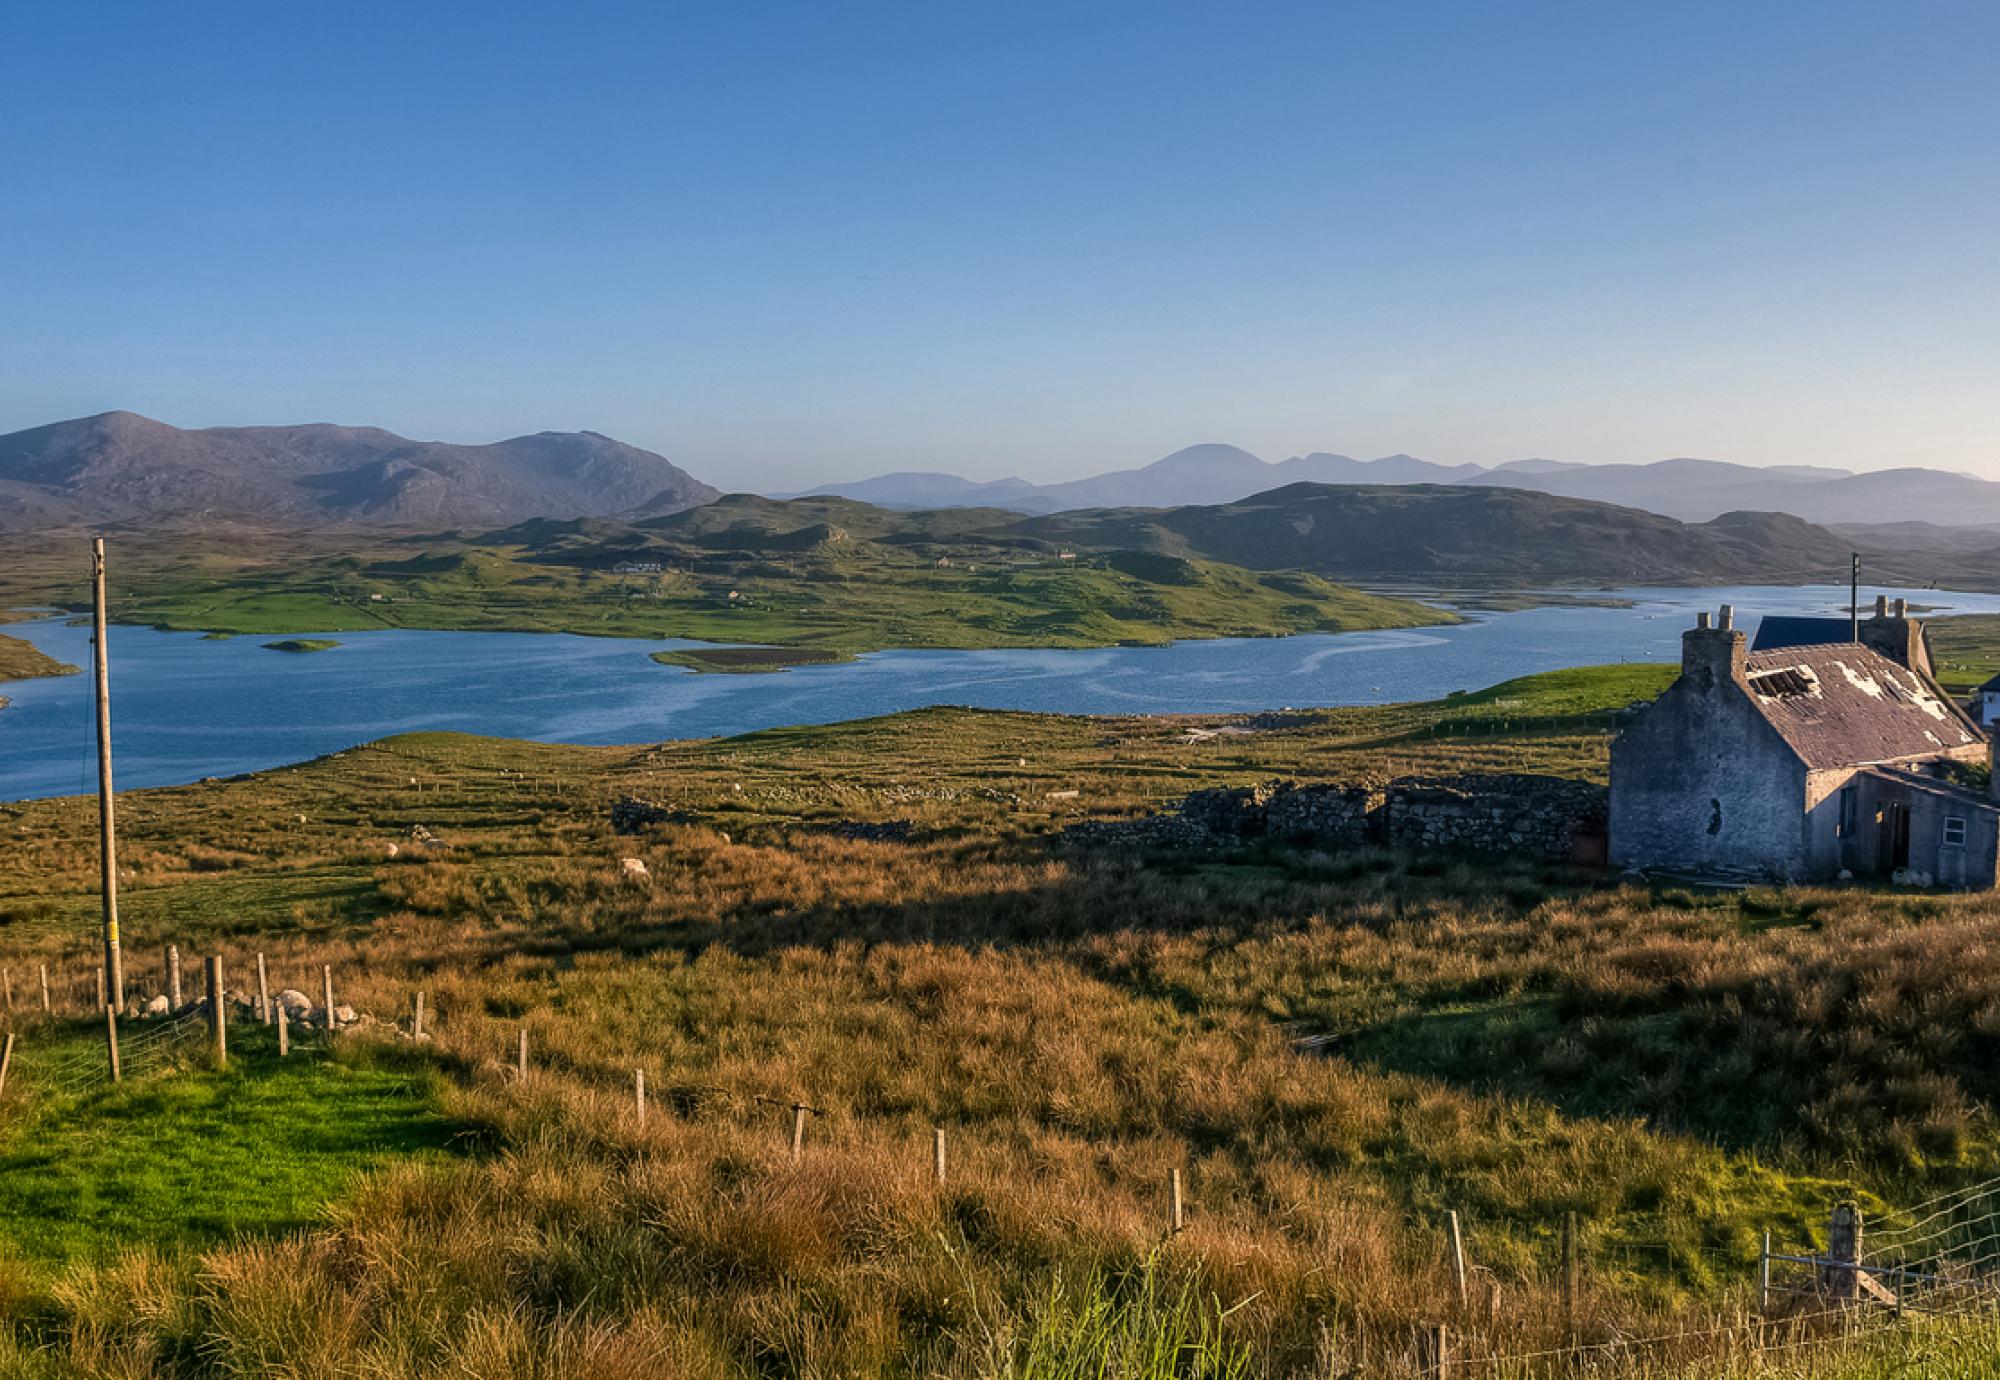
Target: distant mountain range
(119,466)
(1687,489)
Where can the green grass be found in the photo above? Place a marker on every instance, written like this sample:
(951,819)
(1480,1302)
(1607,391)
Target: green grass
(201,1157)
(840,596)
(302,644)
(1966,650)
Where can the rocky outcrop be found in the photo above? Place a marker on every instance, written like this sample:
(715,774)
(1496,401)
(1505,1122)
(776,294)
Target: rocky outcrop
(1543,816)
(630,815)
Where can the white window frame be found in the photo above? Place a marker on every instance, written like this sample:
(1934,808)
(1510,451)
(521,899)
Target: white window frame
(1954,823)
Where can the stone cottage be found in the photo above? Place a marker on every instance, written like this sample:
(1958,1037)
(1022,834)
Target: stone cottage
(1805,759)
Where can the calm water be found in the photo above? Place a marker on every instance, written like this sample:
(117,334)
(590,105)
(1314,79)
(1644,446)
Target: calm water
(184,708)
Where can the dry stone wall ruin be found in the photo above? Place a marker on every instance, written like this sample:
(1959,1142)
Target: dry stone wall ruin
(1541,816)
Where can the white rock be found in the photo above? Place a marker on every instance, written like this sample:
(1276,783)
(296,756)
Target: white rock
(344,1015)
(634,867)
(394,850)
(295,1002)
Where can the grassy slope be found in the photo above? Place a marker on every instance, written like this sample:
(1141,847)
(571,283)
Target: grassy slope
(1510,1040)
(1967,649)
(843,595)
(198,1157)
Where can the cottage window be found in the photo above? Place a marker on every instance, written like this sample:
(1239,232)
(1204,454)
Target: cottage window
(1954,831)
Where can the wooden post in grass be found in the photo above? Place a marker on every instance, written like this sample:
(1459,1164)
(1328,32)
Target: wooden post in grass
(102,997)
(639,1094)
(1176,1216)
(937,1154)
(417,1018)
(521,1052)
(46,1007)
(263,990)
(1457,1256)
(107,833)
(6,1060)
(111,1037)
(1764,1276)
(1569,1274)
(1843,1254)
(218,1018)
(799,1110)
(174,976)
(326,984)
(1433,1351)
(284,1032)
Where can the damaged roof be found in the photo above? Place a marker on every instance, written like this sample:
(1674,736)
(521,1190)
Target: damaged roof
(1788,630)
(1846,705)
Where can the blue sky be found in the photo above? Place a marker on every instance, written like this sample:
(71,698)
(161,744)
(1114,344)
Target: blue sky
(791,243)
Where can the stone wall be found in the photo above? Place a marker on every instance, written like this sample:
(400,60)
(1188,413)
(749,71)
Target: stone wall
(1547,816)
(1544,816)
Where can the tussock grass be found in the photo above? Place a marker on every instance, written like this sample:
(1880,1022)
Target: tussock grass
(1509,1040)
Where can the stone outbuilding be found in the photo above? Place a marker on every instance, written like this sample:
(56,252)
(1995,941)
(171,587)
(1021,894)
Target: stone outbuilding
(1804,760)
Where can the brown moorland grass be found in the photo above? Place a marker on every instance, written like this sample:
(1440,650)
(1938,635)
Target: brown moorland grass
(1505,1039)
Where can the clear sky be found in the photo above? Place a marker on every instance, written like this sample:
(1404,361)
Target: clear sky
(786,243)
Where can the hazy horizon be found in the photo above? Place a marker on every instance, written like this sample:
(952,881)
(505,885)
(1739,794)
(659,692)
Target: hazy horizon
(792,246)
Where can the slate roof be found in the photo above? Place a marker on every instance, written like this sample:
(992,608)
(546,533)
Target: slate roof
(1785,630)
(1845,705)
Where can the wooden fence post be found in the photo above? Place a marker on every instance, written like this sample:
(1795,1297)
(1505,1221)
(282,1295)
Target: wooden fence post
(174,976)
(6,1060)
(46,1007)
(326,983)
(521,1052)
(639,1094)
(218,1018)
(1569,1274)
(937,1154)
(284,1032)
(103,997)
(799,1110)
(417,1018)
(263,990)
(1457,1255)
(1433,1350)
(1764,1276)
(1176,1216)
(111,1038)
(1843,1253)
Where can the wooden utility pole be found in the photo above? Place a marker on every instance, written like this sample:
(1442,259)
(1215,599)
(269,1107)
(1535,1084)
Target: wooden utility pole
(1854,597)
(107,831)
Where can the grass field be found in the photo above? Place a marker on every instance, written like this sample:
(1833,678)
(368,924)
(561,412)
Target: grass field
(838,596)
(1507,1039)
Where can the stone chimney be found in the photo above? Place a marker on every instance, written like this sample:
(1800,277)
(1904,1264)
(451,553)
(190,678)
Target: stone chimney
(1896,635)
(1714,652)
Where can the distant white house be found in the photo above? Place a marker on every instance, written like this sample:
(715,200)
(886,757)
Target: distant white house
(1989,702)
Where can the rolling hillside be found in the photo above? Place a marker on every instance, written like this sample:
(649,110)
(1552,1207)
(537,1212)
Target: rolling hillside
(1461,533)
